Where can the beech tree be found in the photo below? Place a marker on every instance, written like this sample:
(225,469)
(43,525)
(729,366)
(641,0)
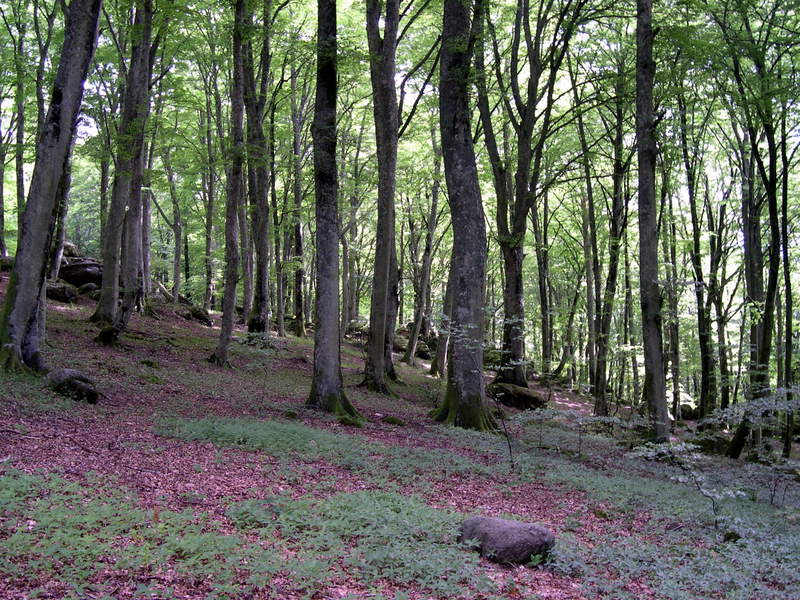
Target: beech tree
(22,325)
(654,380)
(465,399)
(327,392)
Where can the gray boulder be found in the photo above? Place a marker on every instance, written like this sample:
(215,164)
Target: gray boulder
(80,271)
(61,292)
(504,541)
(72,383)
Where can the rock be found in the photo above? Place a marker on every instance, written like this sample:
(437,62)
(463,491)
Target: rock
(88,288)
(6,263)
(81,271)
(72,383)
(517,396)
(711,442)
(689,412)
(423,351)
(196,313)
(504,541)
(392,420)
(71,250)
(400,343)
(62,292)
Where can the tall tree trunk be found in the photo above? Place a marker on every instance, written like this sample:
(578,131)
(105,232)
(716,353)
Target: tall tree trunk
(130,142)
(691,163)
(19,102)
(256,86)
(20,331)
(234,192)
(298,118)
(382,53)
(788,367)
(104,170)
(654,385)
(465,399)
(3,247)
(327,392)
(211,193)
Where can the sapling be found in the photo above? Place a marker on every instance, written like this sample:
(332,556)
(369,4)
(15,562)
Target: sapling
(686,458)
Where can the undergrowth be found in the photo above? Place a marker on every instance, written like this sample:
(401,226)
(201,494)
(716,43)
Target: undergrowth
(387,466)
(88,538)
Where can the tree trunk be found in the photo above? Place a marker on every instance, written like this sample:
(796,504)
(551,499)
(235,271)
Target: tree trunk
(425,276)
(177,226)
(130,142)
(298,118)
(233,190)
(62,208)
(327,392)
(655,385)
(382,57)
(439,362)
(465,400)
(19,100)
(19,329)
(3,247)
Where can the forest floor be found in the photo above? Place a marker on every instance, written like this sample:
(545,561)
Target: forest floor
(192,481)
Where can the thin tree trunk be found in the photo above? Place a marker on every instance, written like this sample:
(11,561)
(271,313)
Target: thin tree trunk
(234,191)
(298,118)
(177,226)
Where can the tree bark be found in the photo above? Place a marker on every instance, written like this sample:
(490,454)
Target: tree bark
(655,385)
(382,57)
(130,142)
(465,400)
(20,332)
(233,190)
(327,392)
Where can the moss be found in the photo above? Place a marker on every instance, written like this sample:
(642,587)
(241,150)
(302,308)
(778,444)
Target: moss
(108,336)
(291,414)
(392,420)
(350,421)
(468,413)
(149,362)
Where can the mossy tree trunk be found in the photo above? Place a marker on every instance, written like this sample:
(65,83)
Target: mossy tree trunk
(327,392)
(465,400)
(20,331)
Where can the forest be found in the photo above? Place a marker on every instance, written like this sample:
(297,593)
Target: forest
(291,289)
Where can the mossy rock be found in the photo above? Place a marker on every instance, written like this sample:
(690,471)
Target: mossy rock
(291,414)
(392,420)
(150,362)
(711,442)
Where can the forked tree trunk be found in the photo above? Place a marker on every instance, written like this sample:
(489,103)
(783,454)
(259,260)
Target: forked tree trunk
(20,331)
(383,307)
(130,143)
(465,400)
(327,392)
